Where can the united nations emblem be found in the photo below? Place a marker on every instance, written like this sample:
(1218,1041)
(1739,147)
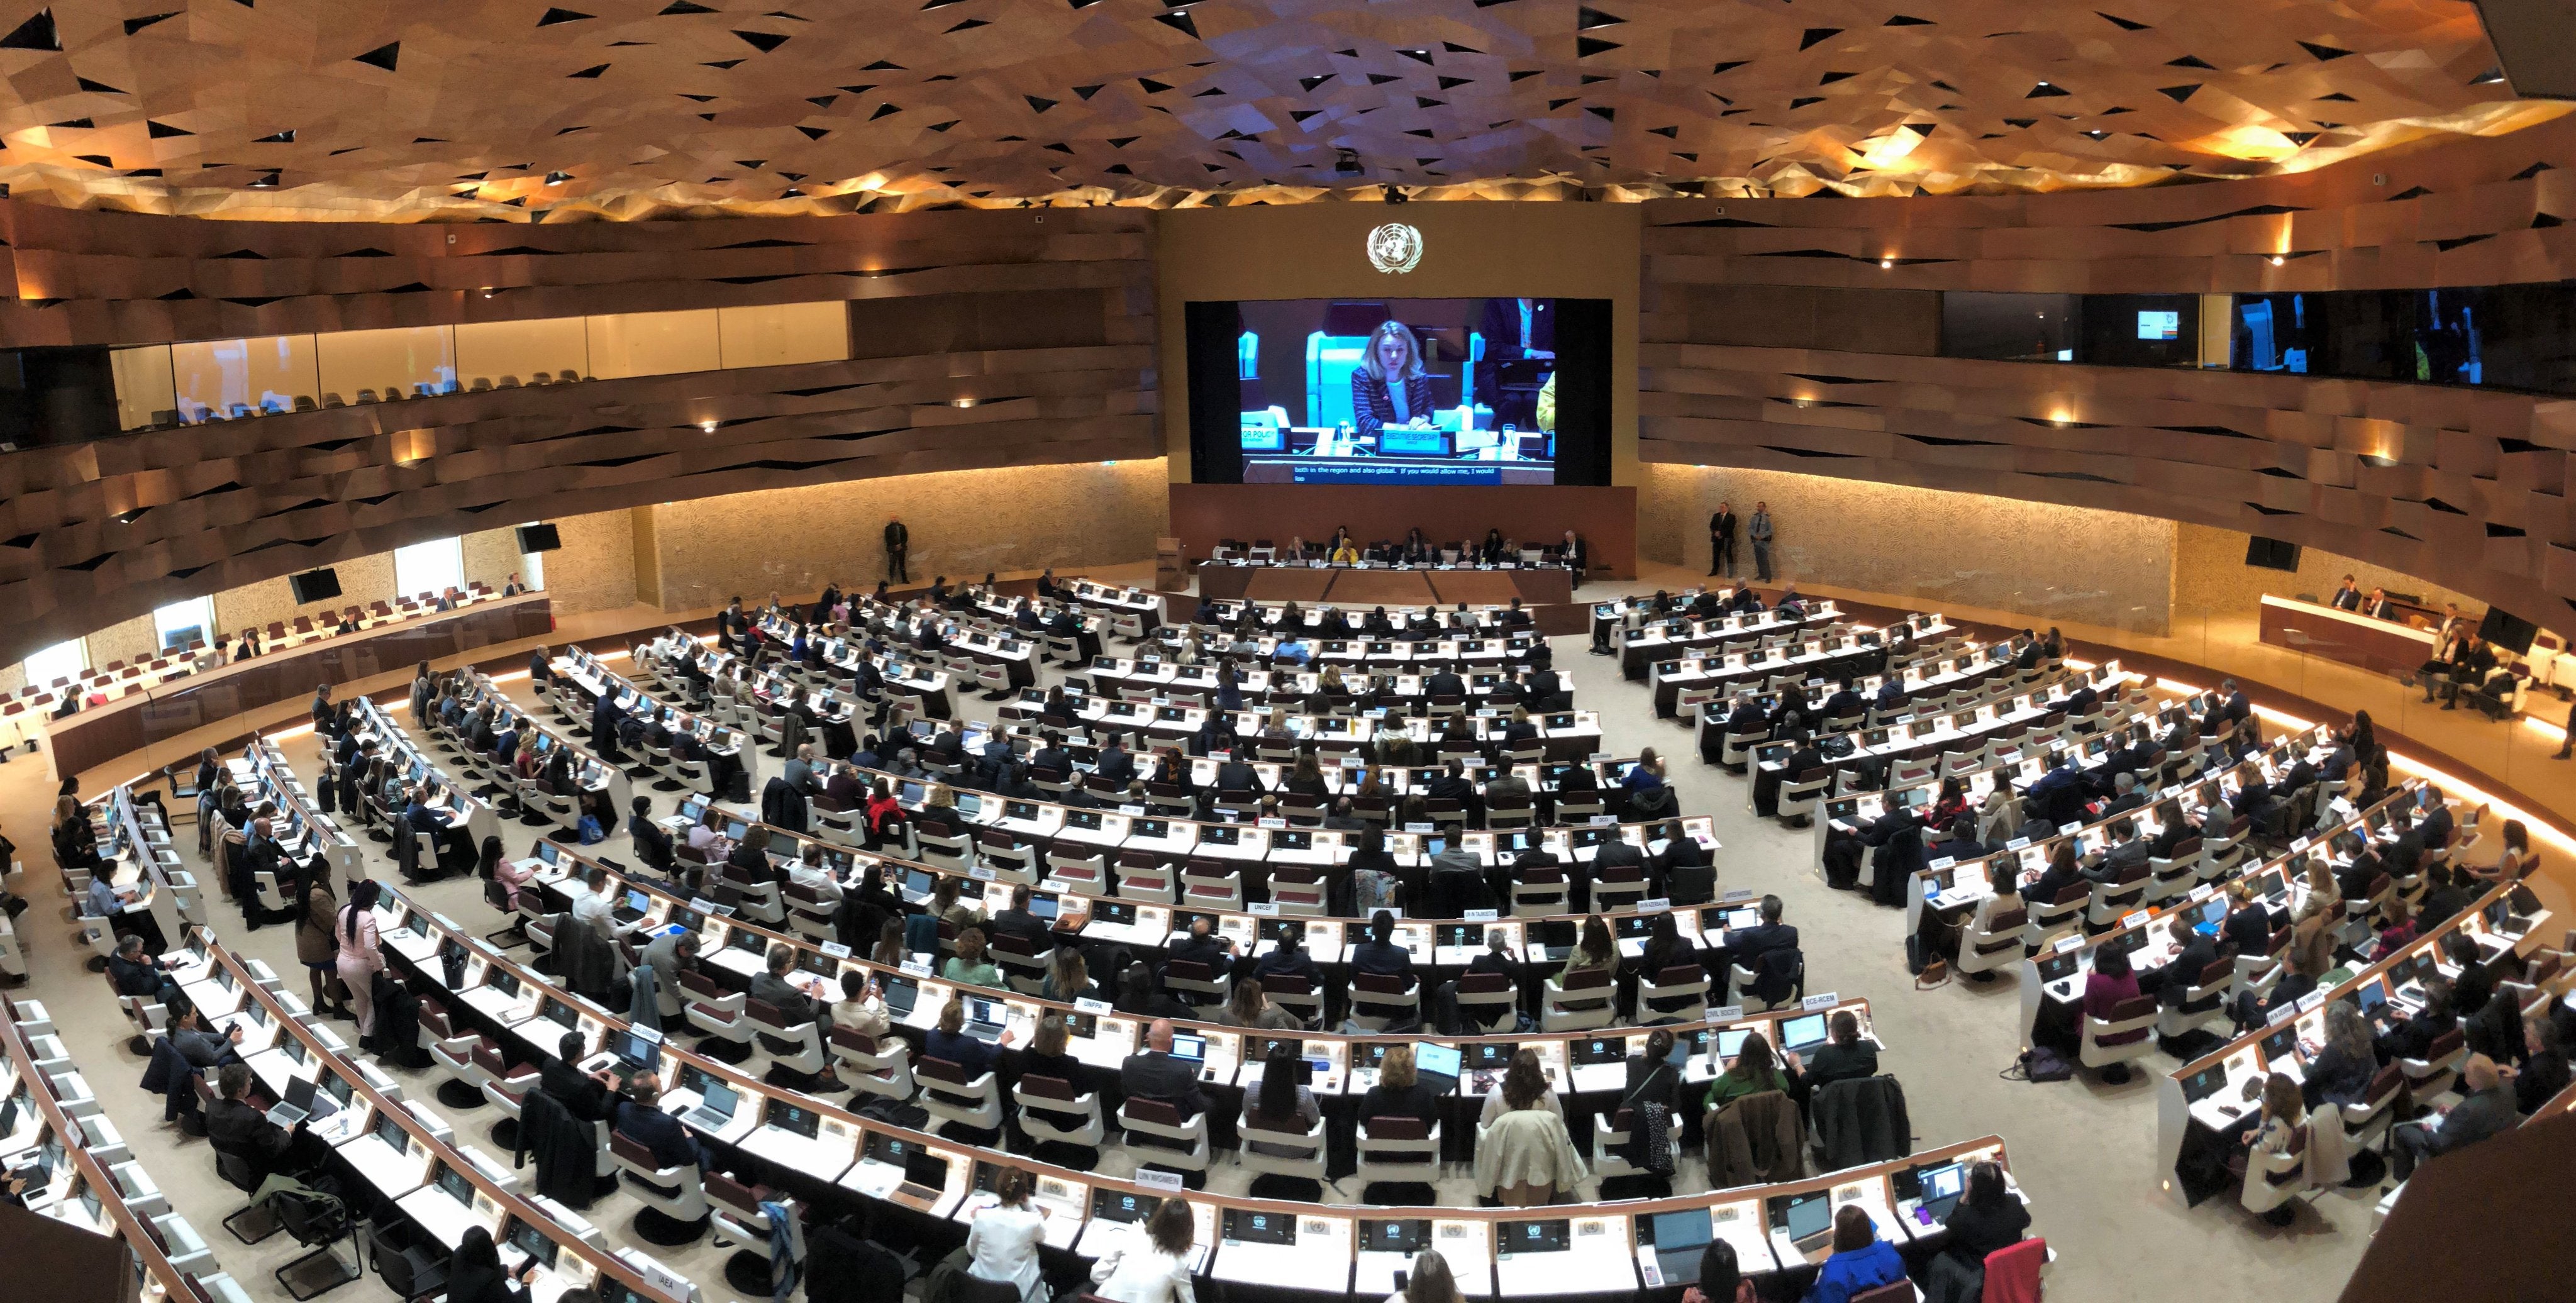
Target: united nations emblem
(1395,248)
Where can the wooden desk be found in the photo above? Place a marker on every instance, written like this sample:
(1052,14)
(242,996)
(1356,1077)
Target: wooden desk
(1288,584)
(2380,646)
(101,733)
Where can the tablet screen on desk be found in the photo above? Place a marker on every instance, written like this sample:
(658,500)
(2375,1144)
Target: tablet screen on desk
(1121,1206)
(1243,1225)
(455,1184)
(532,1242)
(1405,1237)
(789,1117)
(2204,1083)
(1532,1237)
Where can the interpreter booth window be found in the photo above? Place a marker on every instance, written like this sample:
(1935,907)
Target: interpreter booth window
(236,377)
(146,394)
(405,360)
(63,660)
(181,623)
(429,569)
(2010,327)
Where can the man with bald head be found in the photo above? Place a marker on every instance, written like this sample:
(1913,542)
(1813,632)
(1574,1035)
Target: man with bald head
(1155,1074)
(2486,1108)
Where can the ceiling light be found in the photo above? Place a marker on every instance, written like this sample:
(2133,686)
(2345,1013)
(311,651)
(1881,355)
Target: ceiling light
(2277,260)
(707,426)
(1885,263)
(961,402)
(1395,195)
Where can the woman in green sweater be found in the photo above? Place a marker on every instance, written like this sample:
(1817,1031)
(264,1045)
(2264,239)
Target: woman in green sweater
(1750,1073)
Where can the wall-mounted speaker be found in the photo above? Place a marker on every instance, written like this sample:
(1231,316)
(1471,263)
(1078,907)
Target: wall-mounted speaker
(315,585)
(2271,554)
(2535,42)
(540,537)
(2507,632)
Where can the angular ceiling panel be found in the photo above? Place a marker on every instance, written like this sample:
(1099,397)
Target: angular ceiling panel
(635,108)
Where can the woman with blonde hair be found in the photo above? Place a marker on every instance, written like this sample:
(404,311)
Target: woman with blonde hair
(1067,979)
(1390,386)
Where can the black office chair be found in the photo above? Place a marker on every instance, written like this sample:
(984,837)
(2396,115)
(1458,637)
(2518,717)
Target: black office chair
(246,1223)
(319,1222)
(409,1270)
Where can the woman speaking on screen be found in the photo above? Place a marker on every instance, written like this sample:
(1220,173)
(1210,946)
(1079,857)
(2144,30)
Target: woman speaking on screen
(1388,387)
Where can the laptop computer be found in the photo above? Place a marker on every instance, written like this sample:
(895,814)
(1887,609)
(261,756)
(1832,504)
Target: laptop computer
(984,1019)
(296,1106)
(1942,1187)
(715,1108)
(1679,1238)
(925,1175)
(1436,1066)
(1808,1219)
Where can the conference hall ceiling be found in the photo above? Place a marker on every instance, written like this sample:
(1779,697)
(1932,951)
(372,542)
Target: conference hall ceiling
(523,109)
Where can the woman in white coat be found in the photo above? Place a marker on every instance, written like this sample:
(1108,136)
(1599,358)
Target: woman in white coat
(1002,1244)
(1153,1267)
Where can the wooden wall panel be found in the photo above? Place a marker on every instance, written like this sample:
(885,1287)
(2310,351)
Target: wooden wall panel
(1606,516)
(2471,212)
(83,276)
(1037,347)
(2463,487)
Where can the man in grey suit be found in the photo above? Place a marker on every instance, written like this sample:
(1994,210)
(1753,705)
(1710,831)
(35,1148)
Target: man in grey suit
(1759,531)
(1155,1074)
(2126,852)
(2487,1111)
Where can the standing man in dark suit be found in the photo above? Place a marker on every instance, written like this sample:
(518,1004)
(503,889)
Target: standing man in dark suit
(1760,532)
(898,543)
(1721,539)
